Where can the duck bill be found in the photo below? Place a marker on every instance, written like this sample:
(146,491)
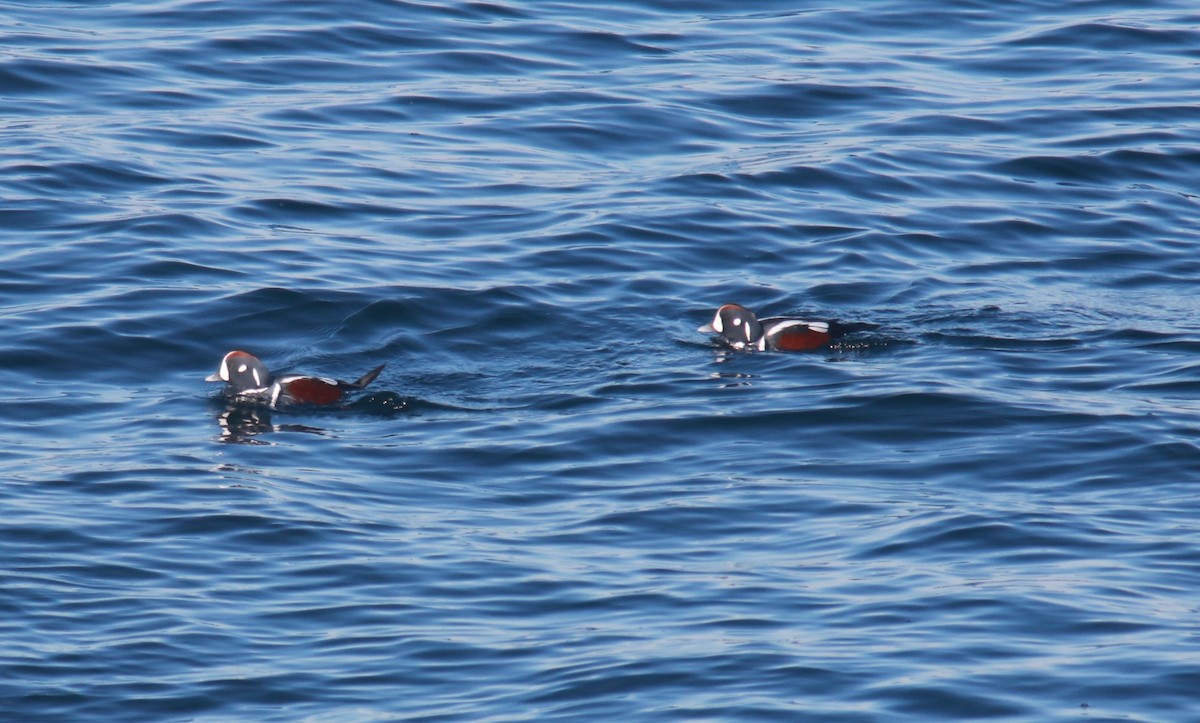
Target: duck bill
(707,329)
(214,377)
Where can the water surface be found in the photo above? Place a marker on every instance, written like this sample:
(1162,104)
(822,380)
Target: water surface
(559,501)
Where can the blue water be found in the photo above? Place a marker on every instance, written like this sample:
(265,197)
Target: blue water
(559,501)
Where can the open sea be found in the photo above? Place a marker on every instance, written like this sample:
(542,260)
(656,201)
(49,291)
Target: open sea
(560,501)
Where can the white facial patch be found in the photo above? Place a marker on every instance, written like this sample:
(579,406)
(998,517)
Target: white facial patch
(256,379)
(242,369)
(717,325)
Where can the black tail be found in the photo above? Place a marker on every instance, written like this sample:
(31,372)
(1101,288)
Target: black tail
(369,377)
(839,329)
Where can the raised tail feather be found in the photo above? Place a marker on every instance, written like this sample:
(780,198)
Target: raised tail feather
(369,377)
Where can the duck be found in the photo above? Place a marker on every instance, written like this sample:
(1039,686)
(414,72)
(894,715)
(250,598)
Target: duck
(246,378)
(741,328)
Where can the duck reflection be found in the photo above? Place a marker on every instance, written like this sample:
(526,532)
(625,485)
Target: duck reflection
(244,424)
(733,379)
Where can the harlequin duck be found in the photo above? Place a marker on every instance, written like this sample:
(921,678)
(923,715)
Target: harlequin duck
(741,329)
(249,379)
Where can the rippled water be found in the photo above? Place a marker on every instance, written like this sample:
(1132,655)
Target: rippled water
(559,501)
